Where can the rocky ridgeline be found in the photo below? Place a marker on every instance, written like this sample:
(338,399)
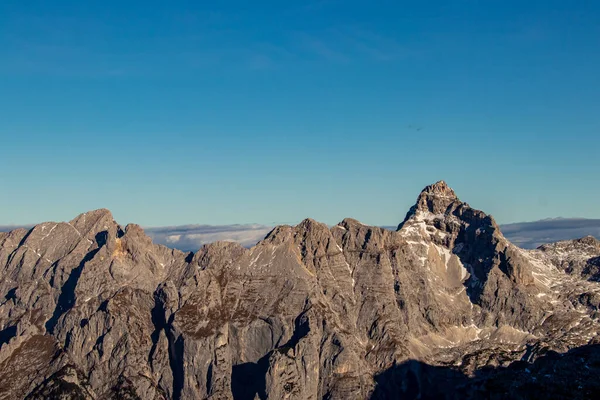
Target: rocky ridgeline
(444,307)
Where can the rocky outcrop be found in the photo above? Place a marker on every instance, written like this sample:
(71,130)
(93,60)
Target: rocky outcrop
(576,257)
(93,310)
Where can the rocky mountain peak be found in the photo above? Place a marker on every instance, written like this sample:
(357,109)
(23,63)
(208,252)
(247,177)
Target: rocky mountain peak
(94,215)
(91,223)
(590,241)
(440,188)
(441,219)
(436,198)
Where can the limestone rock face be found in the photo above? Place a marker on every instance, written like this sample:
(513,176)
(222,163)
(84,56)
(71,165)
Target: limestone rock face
(576,257)
(443,307)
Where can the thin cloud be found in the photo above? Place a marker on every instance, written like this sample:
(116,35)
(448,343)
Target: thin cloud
(70,47)
(260,61)
(317,46)
(192,237)
(374,45)
(346,44)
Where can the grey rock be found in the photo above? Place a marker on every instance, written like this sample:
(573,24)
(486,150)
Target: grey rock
(578,257)
(93,310)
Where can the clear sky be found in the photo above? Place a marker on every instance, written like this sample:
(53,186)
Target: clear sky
(271,111)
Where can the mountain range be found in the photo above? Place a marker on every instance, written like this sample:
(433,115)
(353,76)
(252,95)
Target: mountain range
(445,306)
(528,235)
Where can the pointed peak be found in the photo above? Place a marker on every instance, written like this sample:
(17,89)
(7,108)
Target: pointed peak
(94,221)
(101,213)
(439,189)
(310,224)
(349,222)
(307,221)
(436,198)
(135,229)
(588,240)
(433,199)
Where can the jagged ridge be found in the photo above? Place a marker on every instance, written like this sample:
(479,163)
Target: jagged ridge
(311,312)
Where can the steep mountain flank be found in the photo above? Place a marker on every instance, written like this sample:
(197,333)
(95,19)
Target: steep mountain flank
(93,310)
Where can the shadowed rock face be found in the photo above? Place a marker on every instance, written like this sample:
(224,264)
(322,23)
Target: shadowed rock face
(442,307)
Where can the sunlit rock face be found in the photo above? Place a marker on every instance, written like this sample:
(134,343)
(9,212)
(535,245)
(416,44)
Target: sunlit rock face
(444,307)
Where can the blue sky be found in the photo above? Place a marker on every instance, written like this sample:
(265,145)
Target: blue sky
(267,112)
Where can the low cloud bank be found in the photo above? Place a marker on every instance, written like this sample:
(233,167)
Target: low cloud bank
(192,237)
(528,235)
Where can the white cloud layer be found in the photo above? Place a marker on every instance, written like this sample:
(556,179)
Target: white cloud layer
(192,237)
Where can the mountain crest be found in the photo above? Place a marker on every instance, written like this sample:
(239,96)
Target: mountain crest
(439,189)
(436,198)
(433,199)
